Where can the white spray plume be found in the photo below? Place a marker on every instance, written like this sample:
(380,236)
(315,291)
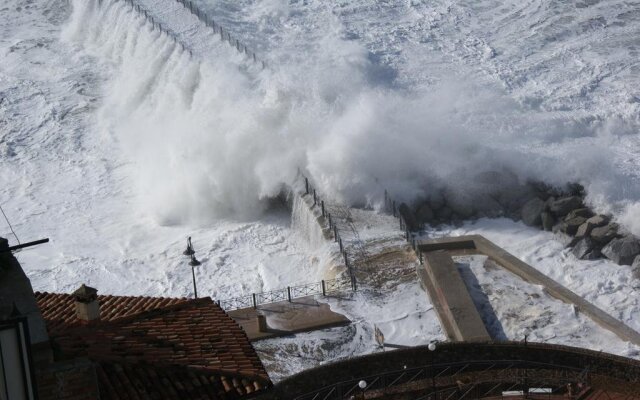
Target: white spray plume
(210,140)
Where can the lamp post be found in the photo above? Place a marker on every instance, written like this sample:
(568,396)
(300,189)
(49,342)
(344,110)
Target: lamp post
(190,252)
(432,347)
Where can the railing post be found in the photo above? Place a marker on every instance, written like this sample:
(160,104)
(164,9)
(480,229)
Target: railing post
(306,180)
(253,296)
(289,293)
(329,218)
(324,289)
(335,233)
(340,244)
(315,197)
(322,206)
(346,259)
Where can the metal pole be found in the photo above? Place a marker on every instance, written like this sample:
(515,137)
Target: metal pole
(253,297)
(324,289)
(335,233)
(193,275)
(315,197)
(329,218)
(306,185)
(23,245)
(289,293)
(322,206)
(340,244)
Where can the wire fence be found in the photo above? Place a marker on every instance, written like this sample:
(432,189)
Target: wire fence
(290,293)
(219,30)
(391,208)
(208,21)
(333,227)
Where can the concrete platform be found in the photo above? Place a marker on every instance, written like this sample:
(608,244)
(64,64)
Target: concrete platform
(477,244)
(450,297)
(286,318)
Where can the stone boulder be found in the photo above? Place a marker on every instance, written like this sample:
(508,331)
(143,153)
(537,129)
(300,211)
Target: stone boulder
(570,227)
(580,212)
(565,205)
(586,249)
(547,220)
(623,250)
(532,212)
(584,229)
(598,220)
(604,234)
(635,267)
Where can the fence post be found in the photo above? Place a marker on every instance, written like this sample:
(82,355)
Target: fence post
(306,183)
(346,260)
(324,289)
(315,197)
(322,207)
(329,218)
(289,293)
(335,233)
(253,296)
(340,244)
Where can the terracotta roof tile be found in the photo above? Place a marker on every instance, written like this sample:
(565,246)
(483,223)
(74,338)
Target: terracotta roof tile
(182,348)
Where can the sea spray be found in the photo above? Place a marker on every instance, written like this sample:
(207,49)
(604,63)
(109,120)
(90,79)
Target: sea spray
(304,219)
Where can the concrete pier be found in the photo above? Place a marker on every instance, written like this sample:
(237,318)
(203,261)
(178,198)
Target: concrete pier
(476,244)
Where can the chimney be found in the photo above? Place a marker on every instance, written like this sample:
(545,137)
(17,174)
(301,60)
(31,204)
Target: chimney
(87,307)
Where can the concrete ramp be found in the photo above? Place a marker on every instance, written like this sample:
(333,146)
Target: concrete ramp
(476,244)
(451,299)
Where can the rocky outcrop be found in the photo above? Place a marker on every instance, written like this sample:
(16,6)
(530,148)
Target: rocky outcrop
(561,210)
(532,212)
(623,250)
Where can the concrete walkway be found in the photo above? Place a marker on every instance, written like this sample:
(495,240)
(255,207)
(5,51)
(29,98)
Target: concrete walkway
(450,297)
(476,244)
(286,318)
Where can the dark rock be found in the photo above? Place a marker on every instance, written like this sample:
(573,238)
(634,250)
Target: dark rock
(623,251)
(565,205)
(425,213)
(576,189)
(409,218)
(598,220)
(586,249)
(461,205)
(604,234)
(635,267)
(584,229)
(531,212)
(547,220)
(579,212)
(571,226)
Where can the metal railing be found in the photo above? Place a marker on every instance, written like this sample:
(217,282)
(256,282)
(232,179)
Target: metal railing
(218,29)
(331,221)
(439,371)
(290,293)
(209,22)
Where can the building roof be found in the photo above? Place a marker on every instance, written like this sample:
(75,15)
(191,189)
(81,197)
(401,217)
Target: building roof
(174,348)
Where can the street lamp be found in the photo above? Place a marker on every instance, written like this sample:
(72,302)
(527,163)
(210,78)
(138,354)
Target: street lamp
(432,347)
(190,252)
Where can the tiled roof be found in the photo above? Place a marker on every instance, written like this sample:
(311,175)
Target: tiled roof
(189,347)
(58,309)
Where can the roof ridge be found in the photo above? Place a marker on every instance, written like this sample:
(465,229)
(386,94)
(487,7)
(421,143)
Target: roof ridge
(44,293)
